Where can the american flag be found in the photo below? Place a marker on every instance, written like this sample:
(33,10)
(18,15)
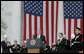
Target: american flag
(73,17)
(41,15)
(44,15)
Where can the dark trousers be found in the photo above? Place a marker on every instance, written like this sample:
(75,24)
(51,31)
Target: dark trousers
(76,46)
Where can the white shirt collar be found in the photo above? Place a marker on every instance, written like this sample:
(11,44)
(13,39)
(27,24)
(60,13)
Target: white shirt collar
(61,39)
(38,36)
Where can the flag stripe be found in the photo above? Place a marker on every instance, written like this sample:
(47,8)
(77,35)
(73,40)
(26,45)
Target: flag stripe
(38,22)
(24,26)
(78,23)
(27,27)
(35,25)
(81,23)
(64,26)
(52,20)
(47,26)
(49,22)
(30,29)
(32,25)
(75,24)
(69,29)
(41,25)
(56,18)
(44,18)
(72,26)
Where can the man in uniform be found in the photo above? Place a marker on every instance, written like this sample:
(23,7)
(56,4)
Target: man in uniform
(77,40)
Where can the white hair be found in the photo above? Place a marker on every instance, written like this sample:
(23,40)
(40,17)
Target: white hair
(5,35)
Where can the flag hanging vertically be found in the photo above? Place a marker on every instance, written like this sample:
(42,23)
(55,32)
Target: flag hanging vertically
(73,17)
(44,15)
(41,15)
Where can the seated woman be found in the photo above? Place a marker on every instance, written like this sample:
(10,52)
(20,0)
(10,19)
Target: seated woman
(23,48)
(77,40)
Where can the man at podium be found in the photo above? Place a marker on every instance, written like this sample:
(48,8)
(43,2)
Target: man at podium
(39,36)
(36,45)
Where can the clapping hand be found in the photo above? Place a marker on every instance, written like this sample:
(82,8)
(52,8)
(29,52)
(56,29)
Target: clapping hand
(8,44)
(76,37)
(58,42)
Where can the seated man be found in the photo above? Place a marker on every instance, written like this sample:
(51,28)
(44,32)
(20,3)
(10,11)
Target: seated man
(61,43)
(15,47)
(39,36)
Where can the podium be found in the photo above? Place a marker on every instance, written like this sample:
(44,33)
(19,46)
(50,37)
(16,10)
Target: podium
(33,50)
(34,45)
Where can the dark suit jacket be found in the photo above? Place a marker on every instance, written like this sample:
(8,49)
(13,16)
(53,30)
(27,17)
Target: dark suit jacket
(47,50)
(63,42)
(77,46)
(42,37)
(68,45)
(78,39)
(5,48)
(23,49)
(16,49)
(62,45)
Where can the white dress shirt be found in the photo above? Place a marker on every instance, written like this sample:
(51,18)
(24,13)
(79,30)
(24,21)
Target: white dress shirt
(61,39)
(38,37)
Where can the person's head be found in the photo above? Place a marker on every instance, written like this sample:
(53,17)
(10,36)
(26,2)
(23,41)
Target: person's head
(60,35)
(38,32)
(5,37)
(77,30)
(22,43)
(15,41)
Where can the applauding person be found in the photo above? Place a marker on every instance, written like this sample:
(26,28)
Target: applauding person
(15,47)
(5,45)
